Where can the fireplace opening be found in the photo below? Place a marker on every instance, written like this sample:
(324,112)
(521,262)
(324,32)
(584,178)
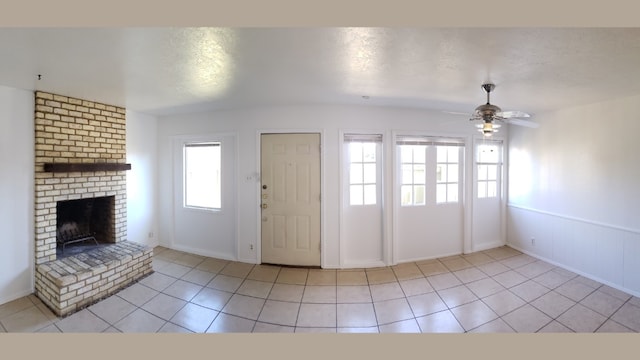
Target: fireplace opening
(84,224)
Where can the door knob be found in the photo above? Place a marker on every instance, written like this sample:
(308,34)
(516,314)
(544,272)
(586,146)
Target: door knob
(264,206)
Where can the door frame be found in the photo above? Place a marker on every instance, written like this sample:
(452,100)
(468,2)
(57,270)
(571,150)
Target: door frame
(258,200)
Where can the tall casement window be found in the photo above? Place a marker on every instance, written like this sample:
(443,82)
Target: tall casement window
(489,164)
(429,169)
(363,157)
(202,175)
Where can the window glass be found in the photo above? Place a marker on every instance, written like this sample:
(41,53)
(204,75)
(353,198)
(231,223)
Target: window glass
(202,175)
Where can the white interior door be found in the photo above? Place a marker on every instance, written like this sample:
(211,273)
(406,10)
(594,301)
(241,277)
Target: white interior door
(290,199)
(487,223)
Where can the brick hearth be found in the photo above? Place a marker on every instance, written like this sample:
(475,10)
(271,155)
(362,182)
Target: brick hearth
(75,131)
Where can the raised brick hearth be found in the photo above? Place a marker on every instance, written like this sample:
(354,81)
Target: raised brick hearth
(75,131)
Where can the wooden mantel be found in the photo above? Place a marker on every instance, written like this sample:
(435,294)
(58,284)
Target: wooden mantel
(85,167)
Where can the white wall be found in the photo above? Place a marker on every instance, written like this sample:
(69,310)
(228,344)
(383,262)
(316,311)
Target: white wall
(16,193)
(329,120)
(574,188)
(142,224)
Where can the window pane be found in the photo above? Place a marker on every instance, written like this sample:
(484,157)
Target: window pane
(482,172)
(355,152)
(441,175)
(405,195)
(407,174)
(492,189)
(369,150)
(452,173)
(369,173)
(202,176)
(488,153)
(406,152)
(418,193)
(419,154)
(355,174)
(418,174)
(441,193)
(355,195)
(452,193)
(369,194)
(482,189)
(441,154)
(452,156)
(492,172)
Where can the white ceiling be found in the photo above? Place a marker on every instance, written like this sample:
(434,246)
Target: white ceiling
(171,70)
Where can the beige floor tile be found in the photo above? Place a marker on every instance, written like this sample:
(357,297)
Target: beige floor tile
(47,312)
(169,254)
(574,290)
(432,268)
(157,263)
(81,322)
(589,282)
(30,319)
(175,270)
(380,276)
(319,294)
(517,261)
(12,307)
(225,323)
(526,319)
(279,313)
(140,321)
(407,271)
(358,277)
(564,272)
(292,276)
(443,281)
(457,296)
(390,311)
(602,303)
(198,277)
(551,279)
(406,326)
(387,291)
(440,322)
(158,281)
(553,304)
(356,315)
(194,317)
(529,290)
(618,294)
(361,330)
(503,302)
(611,326)
(416,286)
(112,330)
(164,306)
(634,301)
(286,292)
(315,330)
(317,315)
(183,290)
(189,260)
(555,327)
(495,326)
(473,314)
(237,269)
(173,328)
(500,253)
(509,279)
(255,288)
(112,309)
(426,304)
(51,329)
(485,287)
(353,294)
(469,275)
(629,316)
(581,319)
(212,298)
(271,328)
(244,306)
(534,269)
(212,265)
(456,264)
(322,277)
(493,268)
(225,283)
(477,258)
(137,294)
(267,273)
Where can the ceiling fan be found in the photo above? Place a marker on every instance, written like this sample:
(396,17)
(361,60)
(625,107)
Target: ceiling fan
(489,114)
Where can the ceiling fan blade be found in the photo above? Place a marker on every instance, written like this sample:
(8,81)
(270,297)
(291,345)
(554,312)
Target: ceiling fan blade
(456,113)
(514,114)
(522,122)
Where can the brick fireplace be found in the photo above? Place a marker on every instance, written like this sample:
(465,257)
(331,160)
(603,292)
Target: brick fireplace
(80,156)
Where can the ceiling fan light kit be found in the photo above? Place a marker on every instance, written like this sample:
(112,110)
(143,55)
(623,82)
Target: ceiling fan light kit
(489,114)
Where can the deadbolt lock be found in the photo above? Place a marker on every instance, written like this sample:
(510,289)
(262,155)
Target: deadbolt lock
(264,206)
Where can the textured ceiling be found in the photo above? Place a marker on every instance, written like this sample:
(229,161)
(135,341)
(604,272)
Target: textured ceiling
(172,70)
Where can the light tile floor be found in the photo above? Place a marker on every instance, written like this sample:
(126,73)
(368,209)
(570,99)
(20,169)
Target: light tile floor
(498,290)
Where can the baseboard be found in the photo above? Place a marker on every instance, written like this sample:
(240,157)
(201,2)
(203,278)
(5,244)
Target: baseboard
(8,298)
